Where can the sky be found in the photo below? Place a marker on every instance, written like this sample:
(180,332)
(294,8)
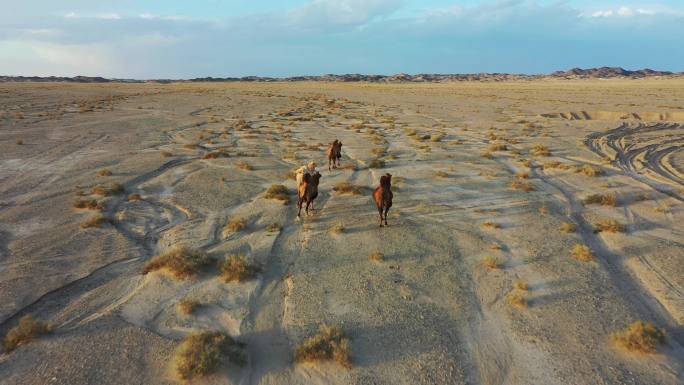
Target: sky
(154,39)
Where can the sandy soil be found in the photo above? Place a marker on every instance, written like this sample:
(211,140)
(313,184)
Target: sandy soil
(430,313)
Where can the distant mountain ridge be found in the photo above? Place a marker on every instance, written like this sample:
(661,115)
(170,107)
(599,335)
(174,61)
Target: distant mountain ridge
(575,73)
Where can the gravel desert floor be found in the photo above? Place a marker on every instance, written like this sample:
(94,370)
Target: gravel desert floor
(532,223)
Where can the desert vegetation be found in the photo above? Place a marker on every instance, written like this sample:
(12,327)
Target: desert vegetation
(236,269)
(641,337)
(26,331)
(200,354)
(330,344)
(181,261)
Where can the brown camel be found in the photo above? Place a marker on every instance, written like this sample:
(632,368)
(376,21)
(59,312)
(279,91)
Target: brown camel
(334,154)
(308,191)
(383,196)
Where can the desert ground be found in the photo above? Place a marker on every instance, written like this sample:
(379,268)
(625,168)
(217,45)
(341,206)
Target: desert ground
(531,222)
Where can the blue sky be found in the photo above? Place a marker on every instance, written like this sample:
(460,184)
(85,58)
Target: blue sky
(183,39)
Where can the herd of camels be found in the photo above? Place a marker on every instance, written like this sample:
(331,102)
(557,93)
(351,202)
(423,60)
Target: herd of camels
(307,191)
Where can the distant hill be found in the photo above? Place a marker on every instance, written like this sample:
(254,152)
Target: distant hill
(575,73)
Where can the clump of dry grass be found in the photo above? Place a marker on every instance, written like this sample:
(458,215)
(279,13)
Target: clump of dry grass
(441,174)
(347,188)
(241,164)
(96,221)
(330,344)
(567,228)
(236,224)
(487,155)
(338,228)
(113,189)
(19,142)
(582,253)
(522,185)
(134,197)
(436,137)
(166,154)
(191,146)
(215,155)
(274,227)
(602,199)
(492,263)
(236,269)
(517,300)
(540,150)
(610,226)
(522,285)
(491,225)
(104,172)
(640,336)
(188,306)
(590,171)
(376,257)
(181,261)
(89,204)
(523,175)
(497,147)
(278,192)
(27,330)
(200,354)
(376,163)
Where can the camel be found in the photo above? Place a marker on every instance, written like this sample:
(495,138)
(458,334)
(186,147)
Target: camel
(334,154)
(307,191)
(383,196)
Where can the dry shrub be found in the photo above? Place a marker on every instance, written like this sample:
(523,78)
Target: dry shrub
(181,261)
(236,224)
(522,185)
(113,189)
(191,146)
(640,336)
(347,188)
(96,221)
(330,344)
(236,269)
(522,285)
(166,154)
(492,263)
(602,199)
(517,300)
(497,147)
(610,226)
(104,172)
(134,197)
(487,155)
(88,204)
(215,155)
(540,150)
(567,228)
(523,175)
(241,164)
(376,163)
(590,171)
(338,228)
(582,253)
(200,354)
(274,227)
(19,142)
(379,151)
(278,192)
(377,257)
(441,174)
(491,225)
(27,330)
(436,137)
(188,306)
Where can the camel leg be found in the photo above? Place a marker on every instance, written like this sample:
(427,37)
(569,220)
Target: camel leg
(299,206)
(386,211)
(307,207)
(380,212)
